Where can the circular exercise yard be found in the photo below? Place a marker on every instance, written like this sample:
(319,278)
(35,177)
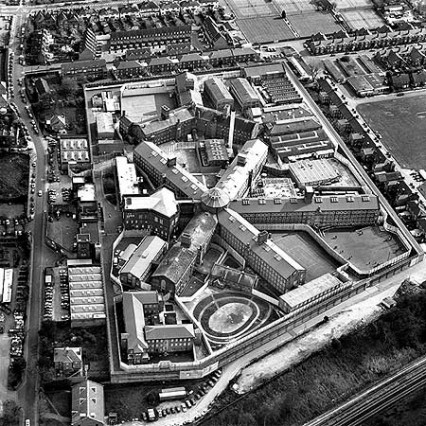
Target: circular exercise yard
(228,315)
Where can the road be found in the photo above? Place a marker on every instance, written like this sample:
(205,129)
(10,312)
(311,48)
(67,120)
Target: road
(380,396)
(40,256)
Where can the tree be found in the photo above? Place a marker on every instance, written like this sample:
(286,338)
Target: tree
(68,87)
(10,415)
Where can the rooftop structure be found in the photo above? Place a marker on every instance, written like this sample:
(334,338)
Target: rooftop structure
(162,201)
(88,404)
(134,320)
(309,292)
(137,268)
(313,172)
(275,266)
(86,308)
(218,93)
(74,150)
(248,163)
(244,93)
(163,169)
(126,177)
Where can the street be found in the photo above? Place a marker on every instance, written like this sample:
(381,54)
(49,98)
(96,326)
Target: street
(41,255)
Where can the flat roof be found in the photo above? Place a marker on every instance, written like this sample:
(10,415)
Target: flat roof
(126,177)
(245,232)
(87,192)
(141,259)
(307,171)
(312,289)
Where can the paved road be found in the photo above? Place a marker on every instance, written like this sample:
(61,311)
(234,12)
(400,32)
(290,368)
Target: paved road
(41,255)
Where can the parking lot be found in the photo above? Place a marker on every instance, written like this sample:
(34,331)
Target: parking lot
(57,299)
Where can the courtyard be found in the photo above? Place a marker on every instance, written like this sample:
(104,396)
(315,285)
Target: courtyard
(357,246)
(301,247)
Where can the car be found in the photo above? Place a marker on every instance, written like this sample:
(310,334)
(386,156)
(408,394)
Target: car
(40,193)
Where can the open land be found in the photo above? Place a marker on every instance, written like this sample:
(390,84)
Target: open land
(265,29)
(406,142)
(14,170)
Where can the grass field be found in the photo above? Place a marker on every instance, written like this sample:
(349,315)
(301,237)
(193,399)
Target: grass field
(307,24)
(302,248)
(14,170)
(265,29)
(402,124)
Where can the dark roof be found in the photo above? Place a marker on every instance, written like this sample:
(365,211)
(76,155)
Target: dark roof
(172,331)
(175,263)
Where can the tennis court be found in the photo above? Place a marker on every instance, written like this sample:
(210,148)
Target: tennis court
(295,7)
(357,19)
(252,8)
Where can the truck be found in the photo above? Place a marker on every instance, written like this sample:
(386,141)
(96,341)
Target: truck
(151,415)
(172,394)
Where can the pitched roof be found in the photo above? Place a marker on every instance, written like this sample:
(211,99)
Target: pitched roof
(87,403)
(141,259)
(162,201)
(134,319)
(247,234)
(172,331)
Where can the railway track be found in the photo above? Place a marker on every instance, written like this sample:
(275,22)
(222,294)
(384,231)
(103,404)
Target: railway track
(364,405)
(376,398)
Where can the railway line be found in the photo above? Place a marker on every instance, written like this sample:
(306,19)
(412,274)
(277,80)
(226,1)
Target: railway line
(365,404)
(376,398)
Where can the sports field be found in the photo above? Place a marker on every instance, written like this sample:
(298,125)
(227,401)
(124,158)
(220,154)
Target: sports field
(302,248)
(401,122)
(265,29)
(307,24)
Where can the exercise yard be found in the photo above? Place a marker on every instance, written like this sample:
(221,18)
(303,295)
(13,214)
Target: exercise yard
(227,315)
(405,142)
(302,248)
(366,248)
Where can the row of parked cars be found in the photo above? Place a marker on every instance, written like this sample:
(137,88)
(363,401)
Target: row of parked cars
(155,414)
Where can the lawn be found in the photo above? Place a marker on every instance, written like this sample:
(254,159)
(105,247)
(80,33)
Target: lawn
(401,122)
(14,170)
